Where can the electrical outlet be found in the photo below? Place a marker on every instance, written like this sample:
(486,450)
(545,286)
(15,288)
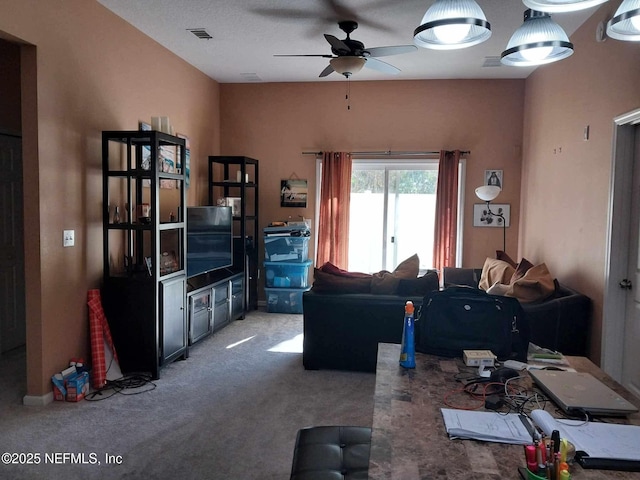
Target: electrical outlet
(68,238)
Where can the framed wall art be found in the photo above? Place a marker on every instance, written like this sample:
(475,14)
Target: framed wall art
(293,193)
(493,177)
(482,217)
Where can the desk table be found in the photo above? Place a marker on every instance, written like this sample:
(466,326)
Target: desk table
(409,440)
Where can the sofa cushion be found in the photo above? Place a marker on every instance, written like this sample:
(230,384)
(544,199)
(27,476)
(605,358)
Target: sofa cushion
(386,283)
(419,287)
(331,283)
(495,271)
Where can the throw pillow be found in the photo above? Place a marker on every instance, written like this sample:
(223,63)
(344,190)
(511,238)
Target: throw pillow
(419,287)
(502,255)
(329,267)
(386,283)
(522,268)
(536,285)
(498,289)
(329,283)
(495,271)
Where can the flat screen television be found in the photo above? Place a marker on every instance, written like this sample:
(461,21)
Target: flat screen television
(209,239)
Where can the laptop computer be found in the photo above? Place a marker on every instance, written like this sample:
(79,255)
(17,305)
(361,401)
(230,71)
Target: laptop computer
(577,393)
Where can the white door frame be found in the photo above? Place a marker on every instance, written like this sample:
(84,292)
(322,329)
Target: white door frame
(617,244)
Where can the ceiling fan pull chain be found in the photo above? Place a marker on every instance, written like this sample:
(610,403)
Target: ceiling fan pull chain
(348,94)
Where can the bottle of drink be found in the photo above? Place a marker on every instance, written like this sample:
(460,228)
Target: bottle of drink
(408,347)
(116,215)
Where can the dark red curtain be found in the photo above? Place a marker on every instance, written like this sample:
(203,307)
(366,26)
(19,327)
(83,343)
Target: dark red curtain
(333,224)
(445,235)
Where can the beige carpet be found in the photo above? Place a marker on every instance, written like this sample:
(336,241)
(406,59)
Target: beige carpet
(230,411)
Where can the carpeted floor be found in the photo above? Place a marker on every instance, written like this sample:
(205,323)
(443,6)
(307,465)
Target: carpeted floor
(230,411)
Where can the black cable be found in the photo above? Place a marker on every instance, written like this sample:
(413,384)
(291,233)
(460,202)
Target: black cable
(140,381)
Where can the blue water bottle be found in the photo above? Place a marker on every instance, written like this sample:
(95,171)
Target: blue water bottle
(408,347)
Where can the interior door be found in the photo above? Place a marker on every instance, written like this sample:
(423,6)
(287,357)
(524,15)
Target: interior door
(12,287)
(631,354)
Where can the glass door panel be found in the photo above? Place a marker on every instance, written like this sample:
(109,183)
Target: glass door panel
(392,215)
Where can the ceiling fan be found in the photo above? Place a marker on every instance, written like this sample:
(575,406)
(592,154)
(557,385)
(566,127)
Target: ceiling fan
(349,55)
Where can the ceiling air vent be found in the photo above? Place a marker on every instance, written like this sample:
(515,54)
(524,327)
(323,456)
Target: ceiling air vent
(492,62)
(201,33)
(250,77)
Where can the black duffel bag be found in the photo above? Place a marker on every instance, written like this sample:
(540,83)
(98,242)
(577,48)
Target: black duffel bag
(466,318)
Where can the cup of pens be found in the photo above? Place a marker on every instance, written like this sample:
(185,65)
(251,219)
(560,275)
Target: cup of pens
(547,459)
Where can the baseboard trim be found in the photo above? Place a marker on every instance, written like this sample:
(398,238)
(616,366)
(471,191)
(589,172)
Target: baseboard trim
(37,401)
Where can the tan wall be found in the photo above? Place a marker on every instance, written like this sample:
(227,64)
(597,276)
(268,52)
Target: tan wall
(275,123)
(565,184)
(94,72)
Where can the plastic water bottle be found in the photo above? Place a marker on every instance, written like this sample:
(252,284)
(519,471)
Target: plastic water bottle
(408,347)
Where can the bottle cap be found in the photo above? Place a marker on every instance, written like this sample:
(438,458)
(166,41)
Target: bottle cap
(408,307)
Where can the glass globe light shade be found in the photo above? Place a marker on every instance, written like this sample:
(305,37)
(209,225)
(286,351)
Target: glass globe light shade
(488,192)
(539,40)
(452,24)
(625,24)
(347,65)
(557,6)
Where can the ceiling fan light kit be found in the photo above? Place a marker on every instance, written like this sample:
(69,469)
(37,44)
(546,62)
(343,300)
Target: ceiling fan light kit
(559,6)
(537,42)
(452,24)
(625,24)
(347,66)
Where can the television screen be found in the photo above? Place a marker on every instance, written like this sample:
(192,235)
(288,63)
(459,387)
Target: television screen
(209,239)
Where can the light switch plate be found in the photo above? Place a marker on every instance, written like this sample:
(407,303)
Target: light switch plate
(68,238)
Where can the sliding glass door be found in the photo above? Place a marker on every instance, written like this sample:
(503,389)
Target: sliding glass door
(392,213)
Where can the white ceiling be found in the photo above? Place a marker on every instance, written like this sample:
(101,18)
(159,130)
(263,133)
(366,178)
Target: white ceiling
(247,33)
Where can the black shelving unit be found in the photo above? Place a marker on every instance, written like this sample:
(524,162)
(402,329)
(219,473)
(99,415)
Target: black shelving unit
(144,284)
(238,177)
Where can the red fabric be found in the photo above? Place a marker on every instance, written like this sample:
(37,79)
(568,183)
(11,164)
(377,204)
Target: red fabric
(333,225)
(329,267)
(445,234)
(100,333)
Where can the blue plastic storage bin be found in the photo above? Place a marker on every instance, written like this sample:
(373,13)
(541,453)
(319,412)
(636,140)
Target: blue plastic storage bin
(287,274)
(286,249)
(284,300)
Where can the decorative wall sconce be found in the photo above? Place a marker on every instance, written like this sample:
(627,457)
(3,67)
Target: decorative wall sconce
(484,216)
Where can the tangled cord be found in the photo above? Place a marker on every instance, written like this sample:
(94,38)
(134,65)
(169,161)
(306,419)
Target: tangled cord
(516,397)
(140,382)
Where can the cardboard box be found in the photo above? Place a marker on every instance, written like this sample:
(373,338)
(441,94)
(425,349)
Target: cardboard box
(77,386)
(477,358)
(70,385)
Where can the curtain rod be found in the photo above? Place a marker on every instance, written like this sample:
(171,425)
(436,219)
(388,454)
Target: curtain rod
(391,153)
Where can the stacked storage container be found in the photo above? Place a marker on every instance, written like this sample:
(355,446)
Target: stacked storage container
(286,266)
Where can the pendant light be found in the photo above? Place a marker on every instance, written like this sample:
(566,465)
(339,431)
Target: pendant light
(452,24)
(625,24)
(538,41)
(558,6)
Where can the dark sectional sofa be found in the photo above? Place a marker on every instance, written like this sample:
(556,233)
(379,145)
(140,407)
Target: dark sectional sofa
(342,331)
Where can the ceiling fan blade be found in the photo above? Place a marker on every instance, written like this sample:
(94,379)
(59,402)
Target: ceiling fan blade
(324,55)
(337,44)
(326,71)
(388,51)
(381,66)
